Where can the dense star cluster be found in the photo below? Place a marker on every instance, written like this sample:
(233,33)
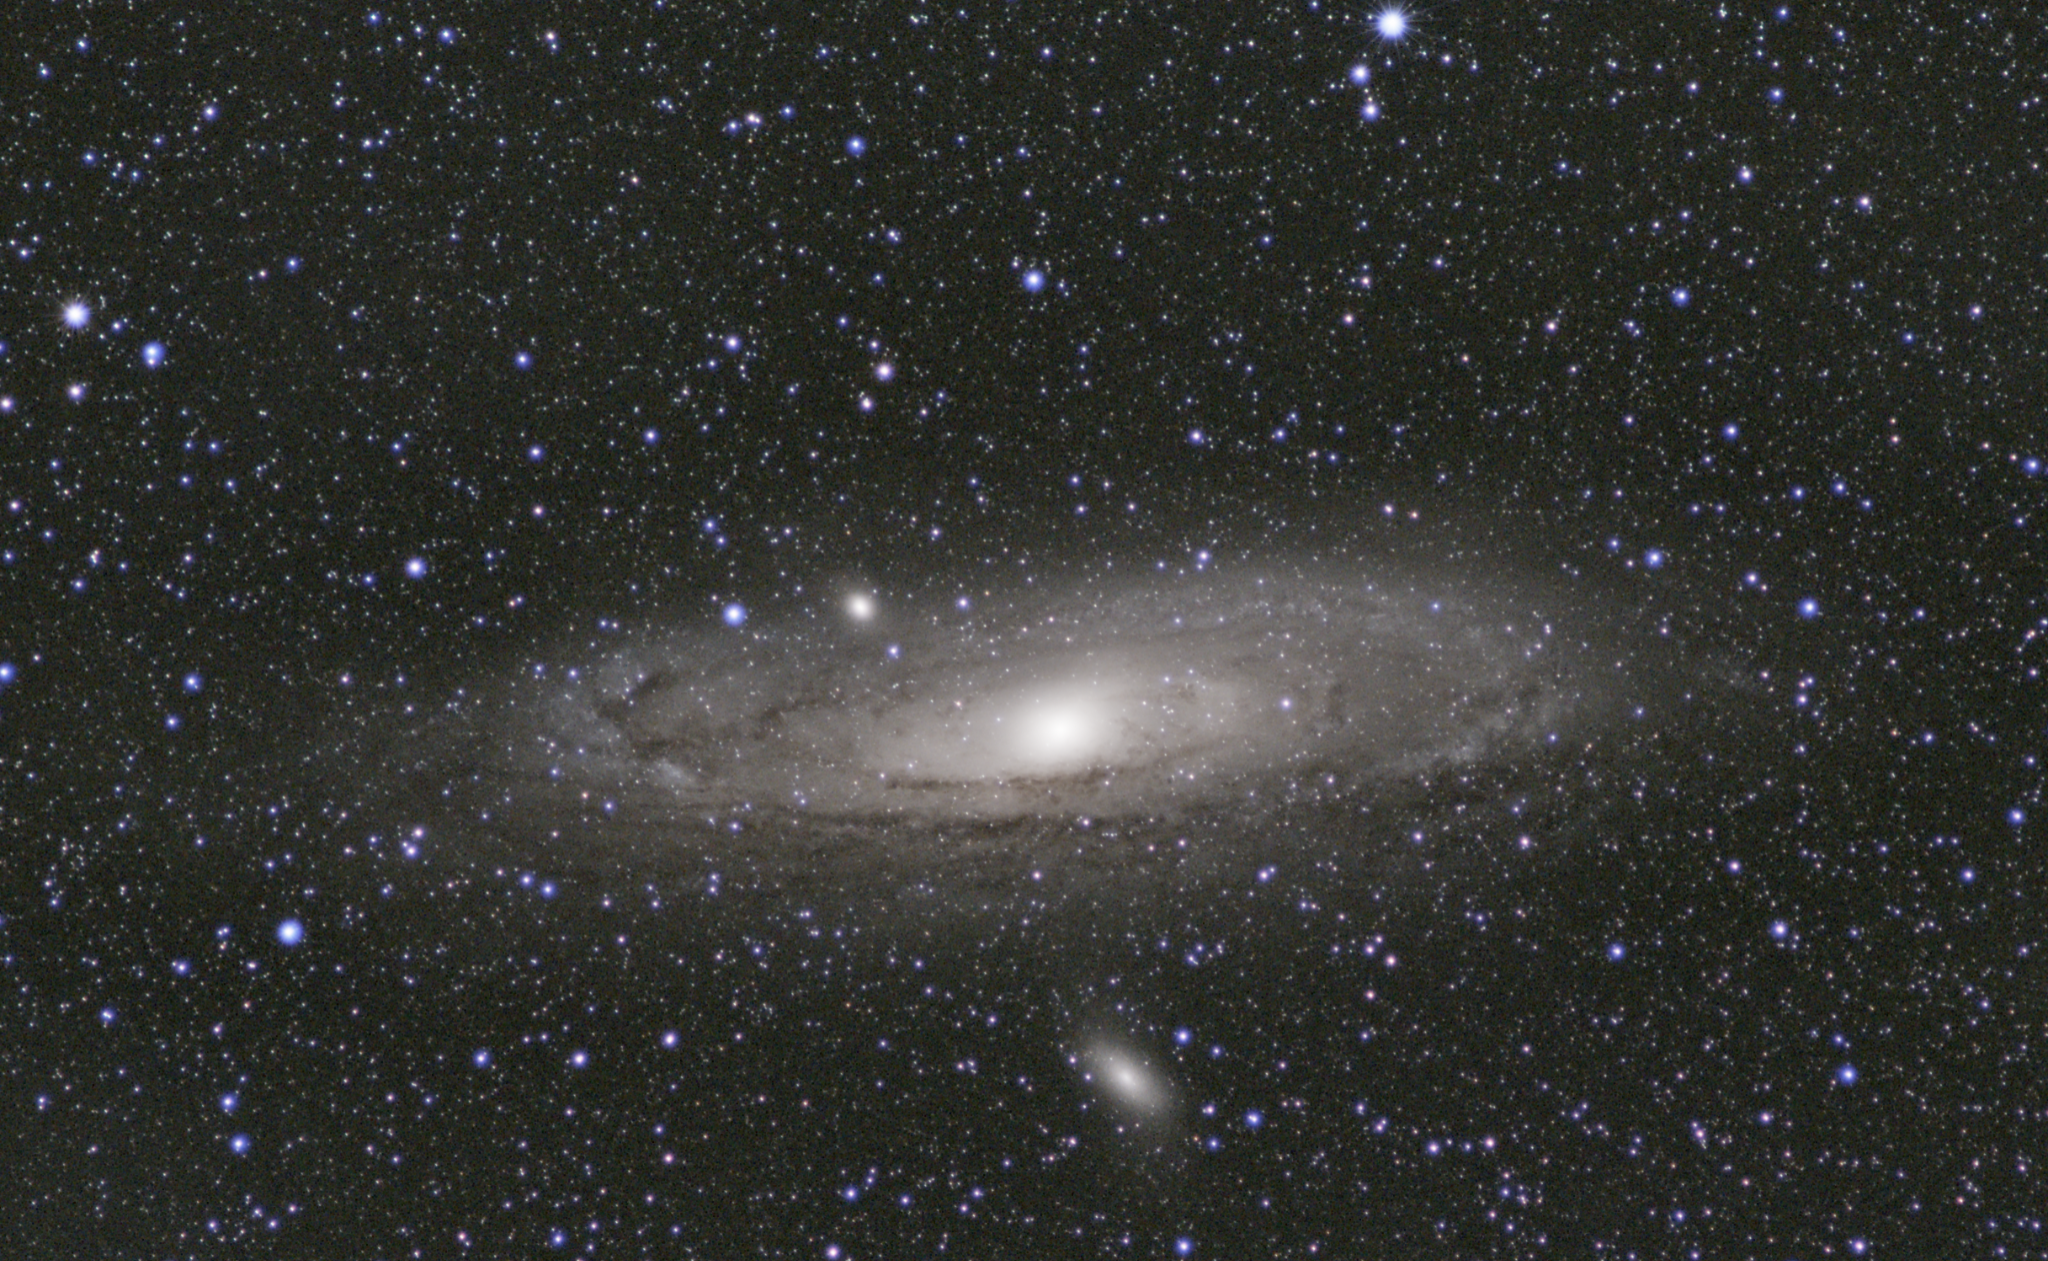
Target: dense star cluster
(1176,630)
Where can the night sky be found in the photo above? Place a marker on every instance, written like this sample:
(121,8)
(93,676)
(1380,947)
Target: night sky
(1024,631)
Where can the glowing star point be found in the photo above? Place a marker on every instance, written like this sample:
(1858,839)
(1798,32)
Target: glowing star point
(77,315)
(860,606)
(1392,23)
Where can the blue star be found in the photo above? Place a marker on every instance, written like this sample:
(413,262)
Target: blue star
(152,354)
(77,315)
(290,932)
(734,614)
(1034,280)
(1392,23)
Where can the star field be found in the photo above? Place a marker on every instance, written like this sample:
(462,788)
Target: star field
(1297,630)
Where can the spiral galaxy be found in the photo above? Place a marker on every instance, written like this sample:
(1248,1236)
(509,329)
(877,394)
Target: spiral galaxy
(922,733)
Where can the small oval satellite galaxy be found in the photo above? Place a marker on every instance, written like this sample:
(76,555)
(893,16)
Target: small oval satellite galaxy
(1133,1085)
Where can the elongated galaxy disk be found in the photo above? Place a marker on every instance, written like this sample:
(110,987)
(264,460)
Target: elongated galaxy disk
(902,725)
(1149,701)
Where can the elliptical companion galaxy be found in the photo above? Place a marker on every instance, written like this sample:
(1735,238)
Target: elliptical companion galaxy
(1155,702)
